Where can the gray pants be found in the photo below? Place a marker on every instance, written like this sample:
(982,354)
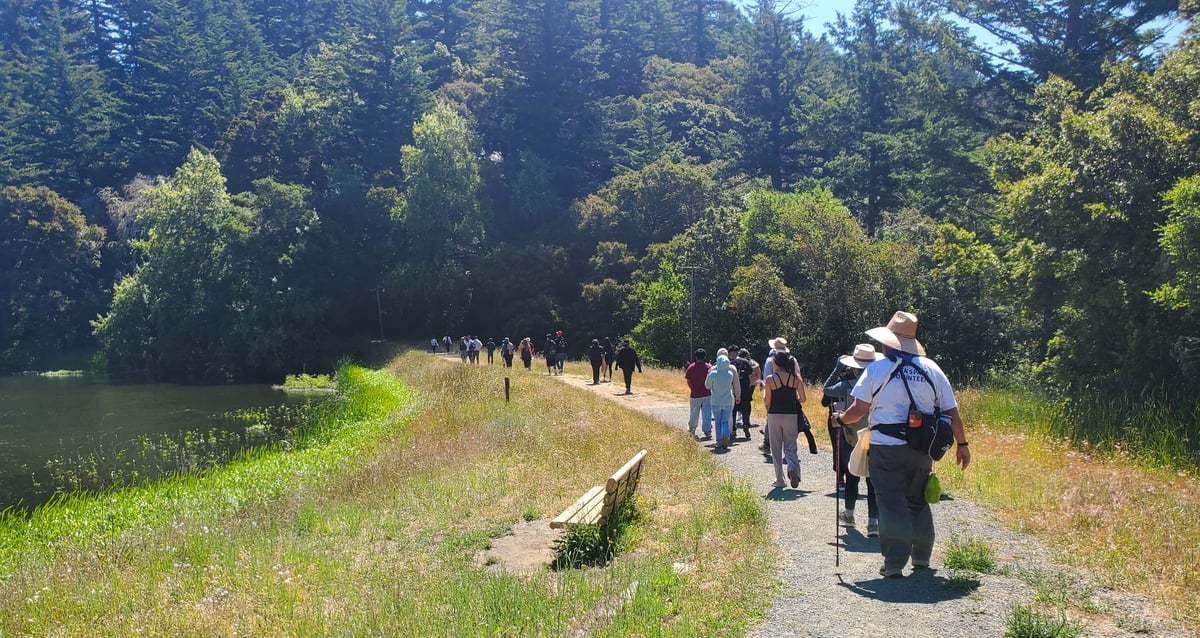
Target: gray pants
(898,473)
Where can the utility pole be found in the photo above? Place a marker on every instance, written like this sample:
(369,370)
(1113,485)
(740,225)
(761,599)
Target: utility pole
(379,309)
(691,310)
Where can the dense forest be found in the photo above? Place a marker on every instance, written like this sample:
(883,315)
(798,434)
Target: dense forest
(225,190)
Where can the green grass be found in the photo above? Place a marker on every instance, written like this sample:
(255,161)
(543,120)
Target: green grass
(1027,622)
(374,525)
(969,553)
(307,383)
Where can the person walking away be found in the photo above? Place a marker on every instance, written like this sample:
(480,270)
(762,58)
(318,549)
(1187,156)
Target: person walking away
(446,341)
(596,358)
(560,351)
(527,353)
(837,398)
(767,369)
(699,396)
(491,348)
(726,391)
(433,345)
(610,357)
(476,346)
(506,352)
(627,360)
(462,349)
(784,393)
(748,379)
(898,470)
(550,353)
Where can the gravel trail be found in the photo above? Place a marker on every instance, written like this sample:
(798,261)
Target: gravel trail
(850,599)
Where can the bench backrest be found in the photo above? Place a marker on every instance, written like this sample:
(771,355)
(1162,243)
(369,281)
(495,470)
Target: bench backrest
(622,483)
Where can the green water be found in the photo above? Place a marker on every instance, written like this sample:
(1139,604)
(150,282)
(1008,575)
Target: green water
(47,419)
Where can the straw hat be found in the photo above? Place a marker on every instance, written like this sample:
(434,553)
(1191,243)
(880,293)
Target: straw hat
(900,333)
(864,355)
(778,344)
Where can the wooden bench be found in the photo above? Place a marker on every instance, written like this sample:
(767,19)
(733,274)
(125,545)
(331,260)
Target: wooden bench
(594,507)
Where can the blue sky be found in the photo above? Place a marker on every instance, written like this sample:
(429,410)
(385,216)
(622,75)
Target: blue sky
(817,13)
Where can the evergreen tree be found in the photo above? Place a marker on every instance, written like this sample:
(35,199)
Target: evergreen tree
(59,111)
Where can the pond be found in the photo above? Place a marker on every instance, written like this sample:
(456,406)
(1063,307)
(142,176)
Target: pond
(63,433)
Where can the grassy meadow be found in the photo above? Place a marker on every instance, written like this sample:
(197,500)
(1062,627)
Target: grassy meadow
(1126,509)
(374,527)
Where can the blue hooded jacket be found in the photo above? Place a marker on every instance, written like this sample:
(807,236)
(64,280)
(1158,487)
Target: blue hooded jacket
(722,380)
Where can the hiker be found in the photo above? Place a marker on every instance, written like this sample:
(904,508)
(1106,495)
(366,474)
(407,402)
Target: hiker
(433,345)
(506,352)
(837,398)
(550,352)
(699,397)
(768,368)
(560,351)
(610,357)
(884,394)
(748,372)
(446,341)
(784,393)
(722,379)
(474,346)
(463,345)
(527,353)
(627,360)
(596,358)
(491,348)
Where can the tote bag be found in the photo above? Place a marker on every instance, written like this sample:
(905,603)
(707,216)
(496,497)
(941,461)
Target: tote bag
(858,456)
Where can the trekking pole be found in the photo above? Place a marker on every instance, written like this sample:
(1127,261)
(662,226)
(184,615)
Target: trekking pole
(837,474)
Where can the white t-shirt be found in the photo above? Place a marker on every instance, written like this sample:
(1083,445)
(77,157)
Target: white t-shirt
(891,402)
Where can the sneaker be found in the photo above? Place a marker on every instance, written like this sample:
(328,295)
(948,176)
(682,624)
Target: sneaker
(872,527)
(891,573)
(920,564)
(777,484)
(707,436)
(765,447)
(847,517)
(794,476)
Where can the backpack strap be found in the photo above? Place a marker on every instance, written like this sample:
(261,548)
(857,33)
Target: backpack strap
(912,402)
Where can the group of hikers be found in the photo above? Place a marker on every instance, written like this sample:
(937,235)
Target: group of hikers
(602,356)
(890,396)
(884,395)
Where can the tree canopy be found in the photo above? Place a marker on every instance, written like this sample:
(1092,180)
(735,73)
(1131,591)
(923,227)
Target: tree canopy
(226,191)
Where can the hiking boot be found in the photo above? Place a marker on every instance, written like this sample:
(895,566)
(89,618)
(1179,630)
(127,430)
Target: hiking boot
(707,436)
(794,477)
(872,527)
(893,572)
(920,564)
(847,517)
(765,447)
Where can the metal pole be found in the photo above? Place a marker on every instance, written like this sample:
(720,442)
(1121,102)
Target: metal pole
(379,308)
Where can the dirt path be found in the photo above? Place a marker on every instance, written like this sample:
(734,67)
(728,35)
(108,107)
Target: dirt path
(851,599)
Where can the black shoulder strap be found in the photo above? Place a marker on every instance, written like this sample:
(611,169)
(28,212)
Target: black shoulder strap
(912,402)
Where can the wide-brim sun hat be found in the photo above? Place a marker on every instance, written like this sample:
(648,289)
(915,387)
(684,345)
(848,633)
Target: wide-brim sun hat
(864,355)
(778,344)
(900,333)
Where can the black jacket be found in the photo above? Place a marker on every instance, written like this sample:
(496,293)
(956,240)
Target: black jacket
(627,359)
